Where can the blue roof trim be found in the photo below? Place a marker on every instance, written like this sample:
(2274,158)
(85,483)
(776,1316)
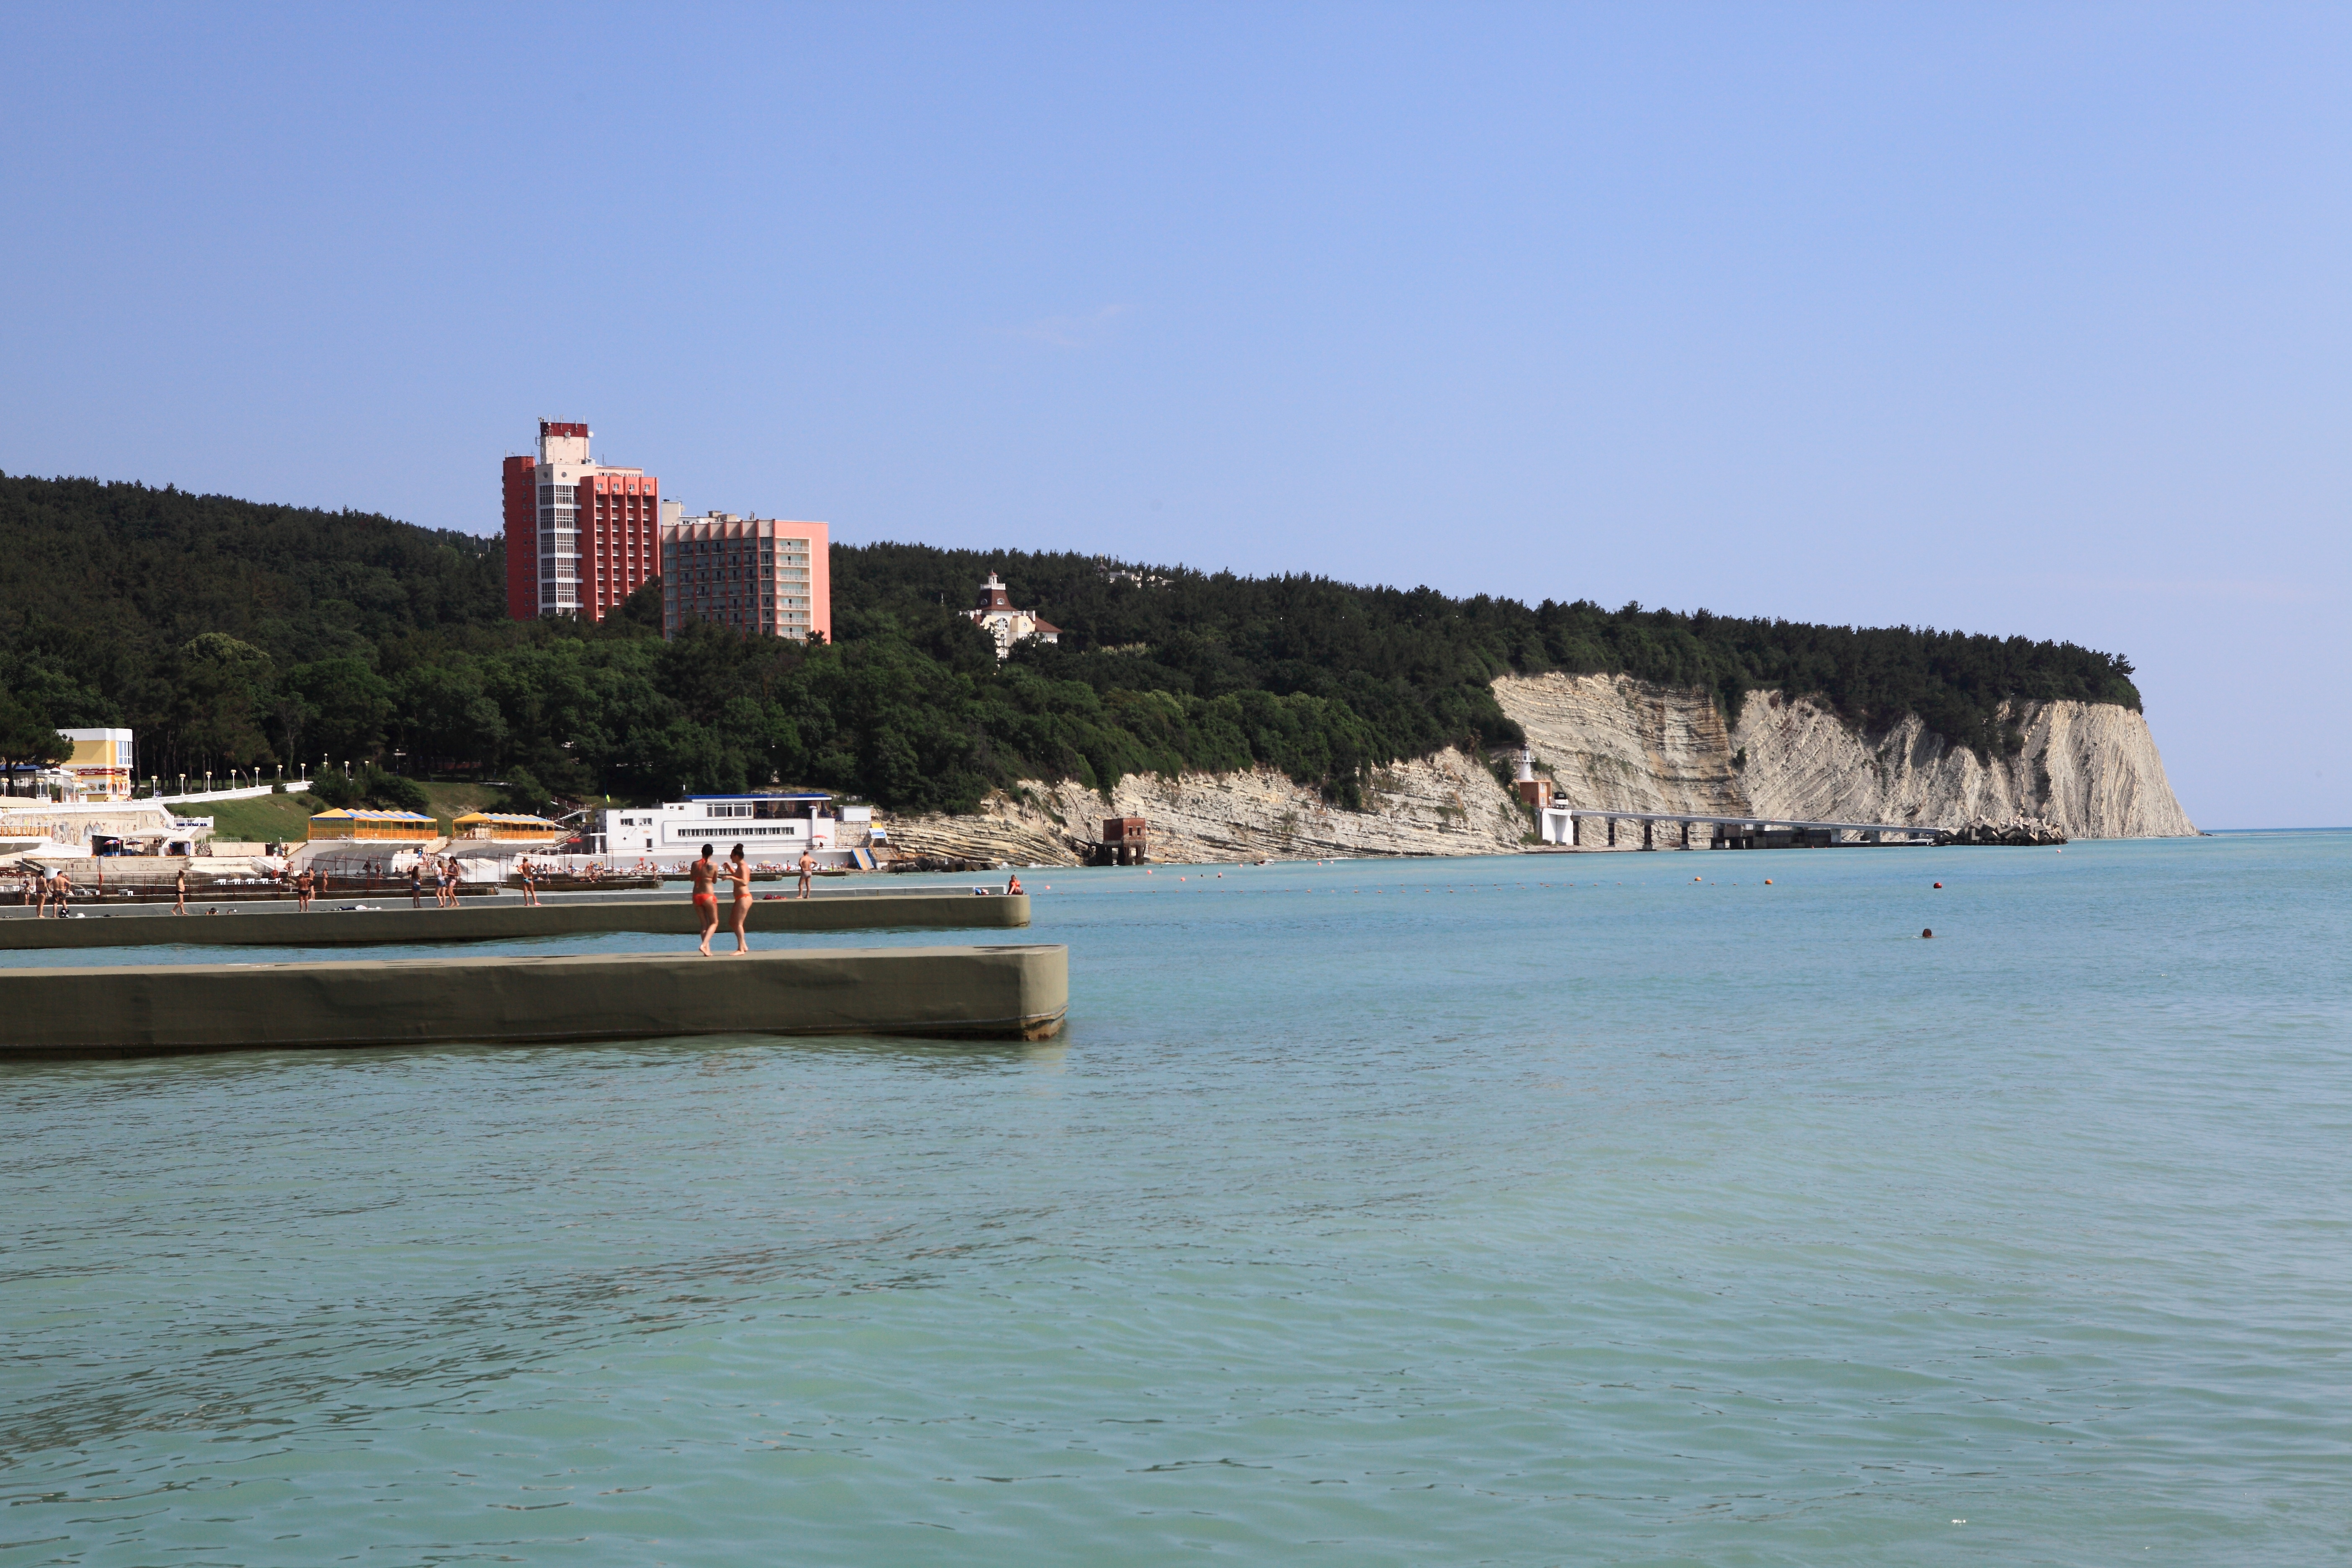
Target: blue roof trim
(690,799)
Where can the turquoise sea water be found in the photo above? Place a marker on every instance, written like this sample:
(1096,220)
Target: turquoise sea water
(1546,1209)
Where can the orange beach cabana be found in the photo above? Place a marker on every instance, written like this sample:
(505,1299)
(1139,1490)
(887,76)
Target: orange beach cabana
(406,826)
(497,825)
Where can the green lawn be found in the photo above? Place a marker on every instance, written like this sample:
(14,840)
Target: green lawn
(285,819)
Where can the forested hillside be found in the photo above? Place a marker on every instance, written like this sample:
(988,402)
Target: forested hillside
(229,633)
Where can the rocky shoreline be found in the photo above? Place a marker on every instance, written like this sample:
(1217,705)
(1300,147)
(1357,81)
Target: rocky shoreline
(2017,834)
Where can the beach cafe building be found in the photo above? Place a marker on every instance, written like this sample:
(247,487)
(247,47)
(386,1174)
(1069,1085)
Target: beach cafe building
(502,828)
(390,826)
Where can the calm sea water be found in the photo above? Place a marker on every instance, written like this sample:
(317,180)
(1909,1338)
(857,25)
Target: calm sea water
(1556,1209)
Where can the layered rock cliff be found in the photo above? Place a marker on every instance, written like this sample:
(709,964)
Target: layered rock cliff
(1450,804)
(2091,769)
(1611,741)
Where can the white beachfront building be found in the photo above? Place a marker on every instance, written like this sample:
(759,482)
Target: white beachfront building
(768,826)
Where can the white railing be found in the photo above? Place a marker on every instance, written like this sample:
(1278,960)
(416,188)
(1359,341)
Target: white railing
(292,786)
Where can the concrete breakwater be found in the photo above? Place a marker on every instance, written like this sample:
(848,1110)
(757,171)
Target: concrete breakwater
(2083,770)
(972,993)
(325,926)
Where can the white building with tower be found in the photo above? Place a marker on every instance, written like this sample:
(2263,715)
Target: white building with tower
(999,618)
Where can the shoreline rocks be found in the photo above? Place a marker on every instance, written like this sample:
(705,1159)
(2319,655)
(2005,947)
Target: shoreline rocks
(2017,833)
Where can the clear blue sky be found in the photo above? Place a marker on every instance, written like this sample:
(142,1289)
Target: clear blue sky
(2019,320)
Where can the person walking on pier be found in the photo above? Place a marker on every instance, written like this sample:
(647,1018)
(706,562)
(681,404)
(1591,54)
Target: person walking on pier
(706,897)
(738,871)
(39,894)
(180,891)
(303,884)
(62,886)
(416,884)
(808,872)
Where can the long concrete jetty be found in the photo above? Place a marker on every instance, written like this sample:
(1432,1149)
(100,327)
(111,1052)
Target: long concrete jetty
(1561,824)
(326,925)
(979,993)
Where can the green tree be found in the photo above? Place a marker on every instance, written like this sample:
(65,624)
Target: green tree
(524,794)
(26,737)
(343,708)
(219,702)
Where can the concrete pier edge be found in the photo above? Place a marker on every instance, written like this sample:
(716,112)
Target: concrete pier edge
(968,993)
(391,921)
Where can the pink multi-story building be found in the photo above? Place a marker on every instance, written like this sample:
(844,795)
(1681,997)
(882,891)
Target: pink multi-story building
(754,573)
(581,536)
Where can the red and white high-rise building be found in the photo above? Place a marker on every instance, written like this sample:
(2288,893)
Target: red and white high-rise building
(580,535)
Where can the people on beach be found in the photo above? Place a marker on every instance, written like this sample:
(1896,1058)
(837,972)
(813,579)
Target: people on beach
(808,872)
(706,899)
(529,883)
(303,886)
(738,871)
(180,891)
(61,888)
(416,884)
(41,891)
(1013,884)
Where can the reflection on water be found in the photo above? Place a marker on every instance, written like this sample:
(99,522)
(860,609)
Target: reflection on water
(1526,1211)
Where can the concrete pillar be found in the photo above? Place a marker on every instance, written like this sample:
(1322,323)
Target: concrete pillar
(1647,842)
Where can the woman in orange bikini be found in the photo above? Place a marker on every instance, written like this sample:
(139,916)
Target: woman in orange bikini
(738,871)
(706,900)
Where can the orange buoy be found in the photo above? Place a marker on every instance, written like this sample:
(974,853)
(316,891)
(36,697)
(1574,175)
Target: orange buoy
(1939,884)
(1768,881)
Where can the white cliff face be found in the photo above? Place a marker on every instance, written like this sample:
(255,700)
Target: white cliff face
(2091,769)
(1612,742)
(1450,804)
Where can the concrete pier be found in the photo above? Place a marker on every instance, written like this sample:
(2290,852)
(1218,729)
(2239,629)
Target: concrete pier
(976,992)
(503,920)
(1562,825)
